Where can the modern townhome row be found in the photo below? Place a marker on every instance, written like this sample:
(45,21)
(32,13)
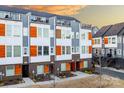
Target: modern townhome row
(108,42)
(34,43)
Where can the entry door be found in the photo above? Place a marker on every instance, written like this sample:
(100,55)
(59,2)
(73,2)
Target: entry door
(73,66)
(77,66)
(25,70)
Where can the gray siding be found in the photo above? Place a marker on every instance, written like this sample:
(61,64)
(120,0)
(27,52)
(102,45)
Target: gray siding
(75,28)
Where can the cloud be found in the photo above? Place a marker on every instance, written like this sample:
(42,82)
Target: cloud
(56,9)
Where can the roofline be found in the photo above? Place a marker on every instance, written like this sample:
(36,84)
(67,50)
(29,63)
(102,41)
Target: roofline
(28,10)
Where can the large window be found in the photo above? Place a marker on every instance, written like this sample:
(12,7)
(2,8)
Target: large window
(68,50)
(8,30)
(40,69)
(113,40)
(10,70)
(45,32)
(9,51)
(39,32)
(46,50)
(16,30)
(17,51)
(83,49)
(39,50)
(63,67)
(63,50)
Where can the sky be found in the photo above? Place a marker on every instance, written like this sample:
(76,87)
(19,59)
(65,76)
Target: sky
(97,15)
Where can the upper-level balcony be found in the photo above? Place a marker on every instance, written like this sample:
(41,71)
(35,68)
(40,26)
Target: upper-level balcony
(86,26)
(63,23)
(10,16)
(39,20)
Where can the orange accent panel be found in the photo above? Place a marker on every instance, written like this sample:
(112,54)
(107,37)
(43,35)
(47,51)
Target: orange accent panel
(90,36)
(46,68)
(68,67)
(33,50)
(90,49)
(81,64)
(2,51)
(33,31)
(18,69)
(2,29)
(105,40)
(58,50)
(93,42)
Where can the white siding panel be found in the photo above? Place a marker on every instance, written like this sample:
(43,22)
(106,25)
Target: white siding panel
(64,57)
(40,59)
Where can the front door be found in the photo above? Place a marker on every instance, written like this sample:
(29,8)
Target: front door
(77,66)
(73,66)
(25,70)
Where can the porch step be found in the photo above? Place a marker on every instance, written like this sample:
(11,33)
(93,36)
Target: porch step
(28,81)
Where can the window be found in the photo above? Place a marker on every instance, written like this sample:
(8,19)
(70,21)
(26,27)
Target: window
(8,30)
(25,50)
(46,50)
(77,35)
(72,34)
(63,50)
(39,32)
(119,51)
(9,51)
(52,50)
(85,64)
(10,70)
(40,69)
(68,50)
(83,49)
(73,49)
(63,67)
(63,36)
(109,40)
(86,49)
(16,30)
(68,35)
(119,39)
(39,50)
(25,41)
(83,36)
(95,41)
(15,16)
(77,49)
(98,41)
(17,51)
(45,32)
(113,40)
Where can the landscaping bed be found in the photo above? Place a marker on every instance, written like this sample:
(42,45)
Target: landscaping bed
(42,77)
(66,74)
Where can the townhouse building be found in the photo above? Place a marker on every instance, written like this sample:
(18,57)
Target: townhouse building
(35,43)
(110,45)
(98,40)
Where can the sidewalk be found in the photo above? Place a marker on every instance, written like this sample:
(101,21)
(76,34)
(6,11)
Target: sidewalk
(29,82)
(113,69)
